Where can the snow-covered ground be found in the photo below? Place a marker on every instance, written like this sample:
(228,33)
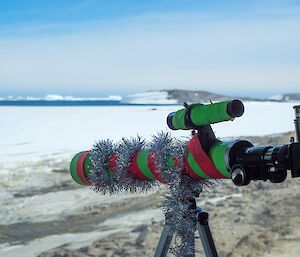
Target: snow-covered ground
(30,132)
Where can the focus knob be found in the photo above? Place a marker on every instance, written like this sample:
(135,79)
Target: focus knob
(238,176)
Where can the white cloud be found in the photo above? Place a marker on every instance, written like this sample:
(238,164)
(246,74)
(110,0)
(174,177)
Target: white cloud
(155,52)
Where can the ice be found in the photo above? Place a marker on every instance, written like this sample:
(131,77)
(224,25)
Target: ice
(30,132)
(55,97)
(152,97)
(218,199)
(38,246)
(278,97)
(113,225)
(27,209)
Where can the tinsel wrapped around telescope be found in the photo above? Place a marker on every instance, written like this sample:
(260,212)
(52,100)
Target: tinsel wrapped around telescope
(134,165)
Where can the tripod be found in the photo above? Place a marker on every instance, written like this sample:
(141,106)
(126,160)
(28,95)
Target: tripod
(201,222)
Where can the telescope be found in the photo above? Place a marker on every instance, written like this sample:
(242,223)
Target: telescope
(186,167)
(205,156)
(196,115)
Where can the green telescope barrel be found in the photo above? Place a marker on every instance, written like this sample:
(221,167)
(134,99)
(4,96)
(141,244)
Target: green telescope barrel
(143,164)
(197,115)
(81,168)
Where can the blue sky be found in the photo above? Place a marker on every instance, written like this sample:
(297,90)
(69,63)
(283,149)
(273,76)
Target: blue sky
(96,48)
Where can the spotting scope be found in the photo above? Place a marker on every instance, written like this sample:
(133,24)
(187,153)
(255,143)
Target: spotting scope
(197,115)
(203,156)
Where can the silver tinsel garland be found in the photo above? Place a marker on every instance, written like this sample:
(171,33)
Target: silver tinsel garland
(180,217)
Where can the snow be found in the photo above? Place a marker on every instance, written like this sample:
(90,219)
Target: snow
(31,132)
(123,223)
(40,245)
(152,97)
(27,209)
(55,97)
(276,97)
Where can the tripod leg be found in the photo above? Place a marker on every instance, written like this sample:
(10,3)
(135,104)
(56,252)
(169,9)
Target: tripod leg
(205,234)
(164,242)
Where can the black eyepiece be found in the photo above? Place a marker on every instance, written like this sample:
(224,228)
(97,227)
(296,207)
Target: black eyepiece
(235,108)
(170,120)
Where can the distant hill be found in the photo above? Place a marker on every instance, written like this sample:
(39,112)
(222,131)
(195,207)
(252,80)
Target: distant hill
(194,96)
(285,97)
(177,96)
(174,97)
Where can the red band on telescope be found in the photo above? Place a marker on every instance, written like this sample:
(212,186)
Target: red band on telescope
(154,170)
(113,162)
(80,168)
(134,168)
(190,172)
(202,159)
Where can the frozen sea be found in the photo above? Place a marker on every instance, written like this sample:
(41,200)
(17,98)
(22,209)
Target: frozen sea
(33,132)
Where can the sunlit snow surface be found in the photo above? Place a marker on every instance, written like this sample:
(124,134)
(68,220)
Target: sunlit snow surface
(29,132)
